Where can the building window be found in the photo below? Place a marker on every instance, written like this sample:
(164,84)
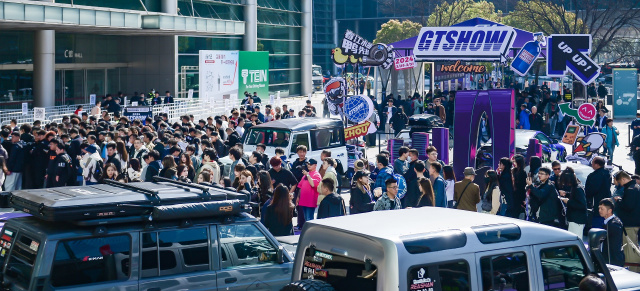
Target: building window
(505,272)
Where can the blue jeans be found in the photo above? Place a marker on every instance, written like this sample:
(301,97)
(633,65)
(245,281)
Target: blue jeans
(307,213)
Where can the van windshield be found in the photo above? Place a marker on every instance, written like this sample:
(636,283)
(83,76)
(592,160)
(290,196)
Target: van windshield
(21,259)
(269,136)
(341,272)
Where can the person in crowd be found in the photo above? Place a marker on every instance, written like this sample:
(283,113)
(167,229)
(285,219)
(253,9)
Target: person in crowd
(92,165)
(388,200)
(110,173)
(544,195)
(169,168)
(399,120)
(255,159)
(523,117)
(611,141)
(519,186)
(183,173)
(112,157)
(413,158)
(235,154)
(432,157)
(308,197)
(332,205)
(439,110)
(300,163)
(264,187)
(401,165)
(209,162)
(384,172)
(490,201)
(439,185)
(427,197)
(362,197)
(597,187)
(134,171)
(505,184)
(572,195)
(592,282)
(278,215)
(280,175)
(612,244)
(186,160)
(138,149)
(466,192)
(16,163)
(387,114)
(627,206)
(153,167)
(328,171)
(535,119)
(60,170)
(204,178)
(450,181)
(413,187)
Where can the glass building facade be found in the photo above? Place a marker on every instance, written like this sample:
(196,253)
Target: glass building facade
(106,46)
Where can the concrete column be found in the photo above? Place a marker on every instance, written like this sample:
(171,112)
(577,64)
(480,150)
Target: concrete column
(250,40)
(44,68)
(306,50)
(170,6)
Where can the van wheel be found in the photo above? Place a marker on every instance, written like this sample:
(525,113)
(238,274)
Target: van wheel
(308,285)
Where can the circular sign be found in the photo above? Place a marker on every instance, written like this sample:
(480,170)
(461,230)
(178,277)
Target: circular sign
(587,111)
(358,108)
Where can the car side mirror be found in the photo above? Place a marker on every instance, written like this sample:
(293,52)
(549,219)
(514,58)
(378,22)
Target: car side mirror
(280,255)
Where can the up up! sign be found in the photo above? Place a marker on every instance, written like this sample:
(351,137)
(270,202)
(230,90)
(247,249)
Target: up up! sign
(464,43)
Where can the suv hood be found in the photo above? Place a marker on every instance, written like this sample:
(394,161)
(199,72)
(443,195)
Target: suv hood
(624,279)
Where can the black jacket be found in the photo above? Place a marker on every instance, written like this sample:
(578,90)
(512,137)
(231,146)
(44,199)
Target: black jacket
(506,187)
(413,194)
(597,187)
(153,169)
(519,192)
(284,176)
(233,139)
(546,196)
(627,208)
(577,206)
(114,160)
(273,224)
(360,202)
(612,245)
(59,171)
(331,206)
(17,157)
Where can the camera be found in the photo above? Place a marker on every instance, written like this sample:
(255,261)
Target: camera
(377,55)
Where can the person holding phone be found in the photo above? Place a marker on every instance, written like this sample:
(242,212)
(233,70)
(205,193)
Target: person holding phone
(308,198)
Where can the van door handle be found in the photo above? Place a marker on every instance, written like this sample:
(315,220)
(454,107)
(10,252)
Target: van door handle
(154,289)
(231,280)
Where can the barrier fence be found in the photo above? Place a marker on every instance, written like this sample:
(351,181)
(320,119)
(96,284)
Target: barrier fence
(200,109)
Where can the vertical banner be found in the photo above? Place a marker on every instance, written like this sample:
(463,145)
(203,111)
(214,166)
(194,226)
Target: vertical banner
(25,108)
(39,113)
(254,73)
(190,94)
(92,99)
(218,74)
(625,92)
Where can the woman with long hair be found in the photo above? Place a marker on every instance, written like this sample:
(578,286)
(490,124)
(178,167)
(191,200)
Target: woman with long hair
(169,168)
(265,188)
(110,173)
(450,179)
(183,173)
(134,171)
(204,178)
(245,181)
(505,183)
(362,199)
(186,160)
(490,202)
(533,204)
(278,215)
(573,196)
(519,185)
(427,198)
(122,154)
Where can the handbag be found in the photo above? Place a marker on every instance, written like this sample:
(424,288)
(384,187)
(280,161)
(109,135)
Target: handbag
(486,205)
(461,194)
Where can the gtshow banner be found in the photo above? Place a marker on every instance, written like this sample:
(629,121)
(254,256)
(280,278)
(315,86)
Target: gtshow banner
(488,43)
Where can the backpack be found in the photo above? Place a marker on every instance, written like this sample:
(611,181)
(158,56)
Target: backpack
(402,185)
(98,171)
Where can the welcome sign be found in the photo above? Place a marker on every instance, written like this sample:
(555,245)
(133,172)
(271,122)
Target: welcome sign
(464,43)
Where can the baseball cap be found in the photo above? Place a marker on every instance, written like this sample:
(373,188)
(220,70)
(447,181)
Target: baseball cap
(313,162)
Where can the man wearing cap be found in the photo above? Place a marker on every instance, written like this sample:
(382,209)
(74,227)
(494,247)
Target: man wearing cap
(467,193)
(308,198)
(280,175)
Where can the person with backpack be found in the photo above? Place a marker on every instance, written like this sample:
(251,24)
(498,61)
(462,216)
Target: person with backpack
(491,196)
(92,165)
(545,195)
(60,169)
(15,164)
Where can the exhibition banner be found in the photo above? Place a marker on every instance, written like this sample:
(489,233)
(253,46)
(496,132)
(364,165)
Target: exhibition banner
(218,74)
(254,73)
(138,112)
(570,53)
(625,92)
(465,43)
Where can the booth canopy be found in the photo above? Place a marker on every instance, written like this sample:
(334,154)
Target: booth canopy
(405,47)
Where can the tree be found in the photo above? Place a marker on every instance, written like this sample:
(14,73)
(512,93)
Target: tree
(451,12)
(392,31)
(607,21)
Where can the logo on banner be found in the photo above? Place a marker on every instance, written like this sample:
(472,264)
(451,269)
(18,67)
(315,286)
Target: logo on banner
(584,115)
(358,108)
(408,62)
(354,49)
(356,130)
(569,53)
(474,43)
(460,68)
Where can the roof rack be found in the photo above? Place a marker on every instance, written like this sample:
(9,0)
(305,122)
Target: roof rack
(190,185)
(131,187)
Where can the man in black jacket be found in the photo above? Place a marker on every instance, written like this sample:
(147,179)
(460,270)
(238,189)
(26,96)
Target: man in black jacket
(154,167)
(280,175)
(627,207)
(332,205)
(112,158)
(612,245)
(546,196)
(40,159)
(15,164)
(597,187)
(60,170)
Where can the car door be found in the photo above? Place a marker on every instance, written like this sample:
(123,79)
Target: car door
(507,269)
(560,266)
(331,139)
(297,139)
(179,259)
(248,259)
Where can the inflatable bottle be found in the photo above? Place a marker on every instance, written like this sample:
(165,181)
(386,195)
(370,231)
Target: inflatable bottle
(527,55)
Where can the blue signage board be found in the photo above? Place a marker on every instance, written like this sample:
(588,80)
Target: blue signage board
(625,92)
(570,53)
(489,43)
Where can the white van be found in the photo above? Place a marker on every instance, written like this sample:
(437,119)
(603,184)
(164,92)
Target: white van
(317,134)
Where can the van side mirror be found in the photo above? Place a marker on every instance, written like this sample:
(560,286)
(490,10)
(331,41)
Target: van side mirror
(280,255)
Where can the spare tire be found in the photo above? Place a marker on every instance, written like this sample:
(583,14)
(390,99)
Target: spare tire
(308,285)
